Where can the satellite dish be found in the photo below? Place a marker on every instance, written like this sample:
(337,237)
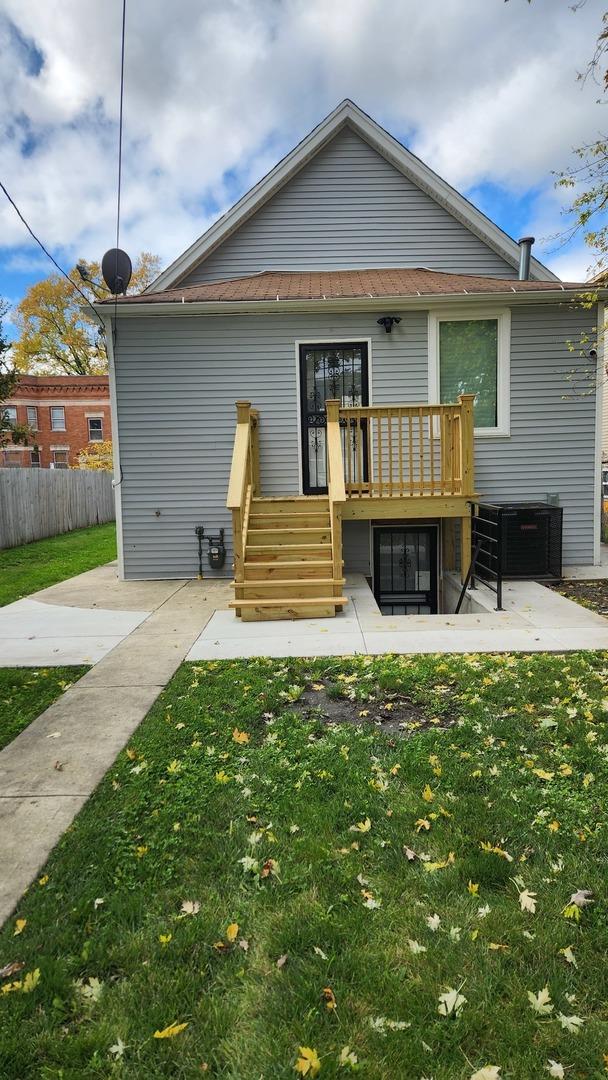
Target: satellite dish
(116,269)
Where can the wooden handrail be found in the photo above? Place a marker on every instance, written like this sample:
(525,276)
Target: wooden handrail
(244,480)
(335,464)
(401,450)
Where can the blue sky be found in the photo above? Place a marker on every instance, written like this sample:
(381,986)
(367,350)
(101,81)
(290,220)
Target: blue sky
(486,92)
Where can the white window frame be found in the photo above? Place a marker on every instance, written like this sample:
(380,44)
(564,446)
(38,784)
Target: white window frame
(503,376)
(60,464)
(11,413)
(88,419)
(34,409)
(53,425)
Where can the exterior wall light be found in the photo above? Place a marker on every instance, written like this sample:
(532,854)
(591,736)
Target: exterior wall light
(387,322)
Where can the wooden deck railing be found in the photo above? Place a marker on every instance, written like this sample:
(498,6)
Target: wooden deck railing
(335,488)
(244,480)
(400,450)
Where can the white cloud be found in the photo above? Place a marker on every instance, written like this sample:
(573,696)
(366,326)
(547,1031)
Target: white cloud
(485,90)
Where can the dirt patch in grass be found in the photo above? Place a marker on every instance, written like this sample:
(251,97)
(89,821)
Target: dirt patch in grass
(390,713)
(589,594)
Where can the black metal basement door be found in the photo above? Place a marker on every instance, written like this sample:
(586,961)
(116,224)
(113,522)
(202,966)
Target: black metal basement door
(405,570)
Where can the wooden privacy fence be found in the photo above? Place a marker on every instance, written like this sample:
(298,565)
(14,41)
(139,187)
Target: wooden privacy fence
(35,503)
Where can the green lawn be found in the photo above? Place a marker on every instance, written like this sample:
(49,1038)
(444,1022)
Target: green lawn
(26,692)
(245,867)
(26,569)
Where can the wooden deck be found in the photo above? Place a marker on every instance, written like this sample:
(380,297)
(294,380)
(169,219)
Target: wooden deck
(383,463)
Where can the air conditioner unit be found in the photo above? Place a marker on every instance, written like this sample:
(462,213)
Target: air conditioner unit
(528,538)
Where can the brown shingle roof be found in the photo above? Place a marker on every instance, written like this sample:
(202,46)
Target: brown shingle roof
(345,284)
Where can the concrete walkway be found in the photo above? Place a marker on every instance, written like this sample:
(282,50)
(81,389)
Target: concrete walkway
(78,621)
(86,728)
(590,573)
(535,619)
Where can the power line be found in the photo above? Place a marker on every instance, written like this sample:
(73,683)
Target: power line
(117,483)
(48,254)
(119,184)
(122,88)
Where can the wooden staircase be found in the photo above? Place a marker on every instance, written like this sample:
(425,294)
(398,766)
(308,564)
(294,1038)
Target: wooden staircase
(287,550)
(288,561)
(398,461)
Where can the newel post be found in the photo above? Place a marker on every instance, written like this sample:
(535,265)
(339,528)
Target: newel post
(466,436)
(243,411)
(467,452)
(335,484)
(332,408)
(254,447)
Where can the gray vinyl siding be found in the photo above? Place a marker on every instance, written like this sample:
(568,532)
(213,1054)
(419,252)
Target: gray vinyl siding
(552,443)
(551,448)
(349,207)
(178,379)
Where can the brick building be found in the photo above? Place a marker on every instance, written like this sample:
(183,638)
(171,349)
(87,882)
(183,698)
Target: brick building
(64,413)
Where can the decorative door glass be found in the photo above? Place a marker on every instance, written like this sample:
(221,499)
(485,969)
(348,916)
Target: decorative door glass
(327,372)
(405,580)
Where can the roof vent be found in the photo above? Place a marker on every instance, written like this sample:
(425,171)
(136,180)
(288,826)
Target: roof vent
(525,249)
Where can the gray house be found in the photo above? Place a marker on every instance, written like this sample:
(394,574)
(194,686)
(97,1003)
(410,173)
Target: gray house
(392,355)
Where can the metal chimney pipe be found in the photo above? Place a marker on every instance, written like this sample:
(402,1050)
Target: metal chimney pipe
(525,248)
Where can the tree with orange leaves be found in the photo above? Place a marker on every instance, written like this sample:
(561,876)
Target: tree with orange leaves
(58,335)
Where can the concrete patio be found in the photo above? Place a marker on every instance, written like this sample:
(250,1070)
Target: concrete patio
(535,619)
(136,629)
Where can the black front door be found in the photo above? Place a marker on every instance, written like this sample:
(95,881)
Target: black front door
(405,570)
(327,372)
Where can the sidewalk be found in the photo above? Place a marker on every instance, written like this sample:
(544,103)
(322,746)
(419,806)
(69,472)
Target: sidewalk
(95,718)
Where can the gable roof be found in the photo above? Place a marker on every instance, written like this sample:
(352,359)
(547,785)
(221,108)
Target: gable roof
(279,286)
(348,114)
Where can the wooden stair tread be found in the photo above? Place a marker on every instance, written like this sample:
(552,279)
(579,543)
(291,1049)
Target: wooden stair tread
(275,530)
(277,583)
(291,536)
(289,498)
(286,564)
(283,602)
(289,547)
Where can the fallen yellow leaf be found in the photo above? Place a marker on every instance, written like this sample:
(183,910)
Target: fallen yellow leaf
(361,826)
(170,1031)
(30,981)
(232,931)
(240,736)
(308,1063)
(20,925)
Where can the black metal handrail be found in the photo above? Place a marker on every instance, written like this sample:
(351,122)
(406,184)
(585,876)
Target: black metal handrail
(486,546)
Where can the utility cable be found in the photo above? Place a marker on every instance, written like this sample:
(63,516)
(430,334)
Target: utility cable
(48,254)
